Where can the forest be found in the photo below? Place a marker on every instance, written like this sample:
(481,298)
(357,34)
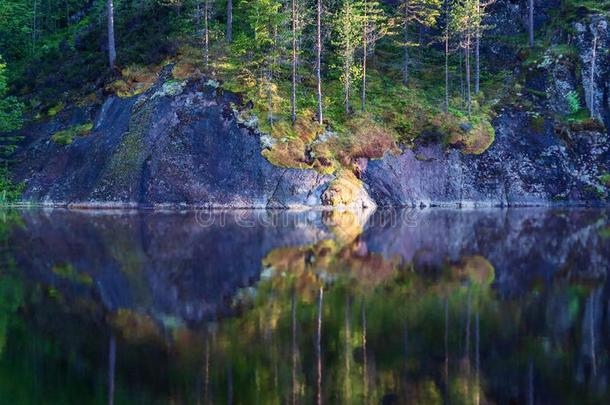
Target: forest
(327,81)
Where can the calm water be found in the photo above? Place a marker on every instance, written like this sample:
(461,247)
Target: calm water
(492,306)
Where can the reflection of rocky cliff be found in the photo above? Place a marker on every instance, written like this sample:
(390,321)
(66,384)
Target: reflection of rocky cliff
(524,246)
(182,265)
(189,267)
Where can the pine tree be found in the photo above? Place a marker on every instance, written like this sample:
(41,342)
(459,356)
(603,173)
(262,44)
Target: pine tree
(348,23)
(111,45)
(229,35)
(319,60)
(375,25)
(481,11)
(424,12)
(465,22)
(266,18)
(530,19)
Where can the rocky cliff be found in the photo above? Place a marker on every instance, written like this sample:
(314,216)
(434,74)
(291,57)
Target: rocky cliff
(182,144)
(178,144)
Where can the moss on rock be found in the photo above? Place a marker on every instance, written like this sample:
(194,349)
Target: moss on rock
(67,136)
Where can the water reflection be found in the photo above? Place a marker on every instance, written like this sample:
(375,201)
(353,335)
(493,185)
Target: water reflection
(258,307)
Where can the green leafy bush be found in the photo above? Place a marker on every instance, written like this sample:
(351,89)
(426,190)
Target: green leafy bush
(573,101)
(9,191)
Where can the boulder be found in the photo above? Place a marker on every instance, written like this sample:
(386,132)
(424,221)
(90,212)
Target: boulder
(177,145)
(523,167)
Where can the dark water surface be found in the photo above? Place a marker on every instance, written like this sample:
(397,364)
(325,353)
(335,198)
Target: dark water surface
(434,306)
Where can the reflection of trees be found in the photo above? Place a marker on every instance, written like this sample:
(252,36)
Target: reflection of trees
(335,323)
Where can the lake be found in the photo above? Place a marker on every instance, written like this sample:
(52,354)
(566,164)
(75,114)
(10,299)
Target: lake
(274,307)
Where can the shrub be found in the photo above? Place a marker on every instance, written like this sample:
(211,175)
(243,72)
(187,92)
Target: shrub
(9,191)
(573,101)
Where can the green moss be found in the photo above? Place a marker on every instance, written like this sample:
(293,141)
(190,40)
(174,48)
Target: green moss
(67,136)
(537,123)
(53,111)
(605,179)
(129,155)
(68,272)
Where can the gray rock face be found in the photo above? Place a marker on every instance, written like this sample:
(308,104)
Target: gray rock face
(522,167)
(178,144)
(561,81)
(593,42)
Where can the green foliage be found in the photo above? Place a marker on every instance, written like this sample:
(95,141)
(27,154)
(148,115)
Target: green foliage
(573,101)
(67,136)
(10,108)
(9,191)
(605,178)
(10,120)
(424,12)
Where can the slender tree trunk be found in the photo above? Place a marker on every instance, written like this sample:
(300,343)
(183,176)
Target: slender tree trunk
(293,94)
(462,87)
(446,56)
(206,369)
(477,51)
(468,78)
(34,26)
(206,33)
(405,66)
(348,354)
(294,348)
(530,25)
(592,77)
(365,366)
(229,20)
(347,83)
(365,41)
(477,361)
(111,45)
(229,384)
(111,368)
(446,344)
(319,59)
(319,348)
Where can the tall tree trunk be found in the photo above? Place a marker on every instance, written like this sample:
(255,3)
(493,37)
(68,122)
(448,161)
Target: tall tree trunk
(477,51)
(34,26)
(111,368)
(347,84)
(348,352)
(365,41)
(206,33)
(592,77)
(446,56)
(365,366)
(405,66)
(446,344)
(229,20)
(294,347)
(229,383)
(319,59)
(111,45)
(530,25)
(293,95)
(477,361)
(206,369)
(319,348)
(468,78)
